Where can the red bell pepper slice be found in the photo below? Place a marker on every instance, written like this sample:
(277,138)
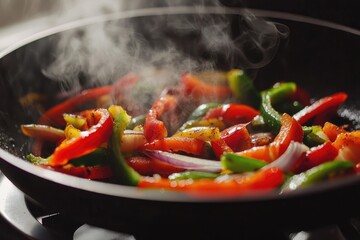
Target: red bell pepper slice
(232,114)
(148,167)
(322,153)
(219,147)
(54,116)
(154,128)
(87,141)
(290,130)
(321,106)
(176,144)
(199,90)
(237,137)
(265,179)
(317,155)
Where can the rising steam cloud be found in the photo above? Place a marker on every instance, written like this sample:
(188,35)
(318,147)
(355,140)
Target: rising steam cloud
(170,44)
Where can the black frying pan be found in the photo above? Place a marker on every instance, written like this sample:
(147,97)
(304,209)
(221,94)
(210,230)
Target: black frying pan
(321,56)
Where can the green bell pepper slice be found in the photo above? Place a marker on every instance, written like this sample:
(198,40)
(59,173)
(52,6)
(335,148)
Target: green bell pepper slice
(122,171)
(136,121)
(314,136)
(316,174)
(269,98)
(193,175)
(243,88)
(201,110)
(239,164)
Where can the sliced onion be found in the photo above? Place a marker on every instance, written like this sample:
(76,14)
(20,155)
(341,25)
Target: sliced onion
(288,159)
(43,132)
(186,162)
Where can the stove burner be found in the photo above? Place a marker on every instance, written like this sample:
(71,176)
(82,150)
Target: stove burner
(34,222)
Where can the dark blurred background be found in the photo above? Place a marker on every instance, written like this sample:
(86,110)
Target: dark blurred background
(21,18)
(344,12)
(14,11)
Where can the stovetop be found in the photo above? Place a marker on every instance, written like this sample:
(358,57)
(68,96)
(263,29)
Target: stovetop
(21,218)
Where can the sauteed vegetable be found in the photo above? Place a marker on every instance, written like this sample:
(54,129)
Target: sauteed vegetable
(212,132)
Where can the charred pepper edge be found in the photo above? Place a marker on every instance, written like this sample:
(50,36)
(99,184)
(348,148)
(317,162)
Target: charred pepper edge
(86,142)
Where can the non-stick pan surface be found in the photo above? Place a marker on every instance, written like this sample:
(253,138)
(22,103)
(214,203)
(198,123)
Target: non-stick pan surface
(321,56)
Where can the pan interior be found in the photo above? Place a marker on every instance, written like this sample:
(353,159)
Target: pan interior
(319,58)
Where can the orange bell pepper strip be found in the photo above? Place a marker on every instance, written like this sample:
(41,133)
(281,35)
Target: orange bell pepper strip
(219,147)
(332,131)
(199,90)
(321,106)
(175,144)
(86,142)
(265,179)
(348,144)
(154,128)
(290,130)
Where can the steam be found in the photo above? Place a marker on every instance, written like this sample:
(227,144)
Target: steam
(258,41)
(170,44)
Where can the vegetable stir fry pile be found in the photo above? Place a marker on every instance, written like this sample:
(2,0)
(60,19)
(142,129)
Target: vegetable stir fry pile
(212,132)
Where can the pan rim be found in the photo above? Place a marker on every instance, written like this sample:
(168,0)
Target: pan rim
(116,190)
(183,10)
